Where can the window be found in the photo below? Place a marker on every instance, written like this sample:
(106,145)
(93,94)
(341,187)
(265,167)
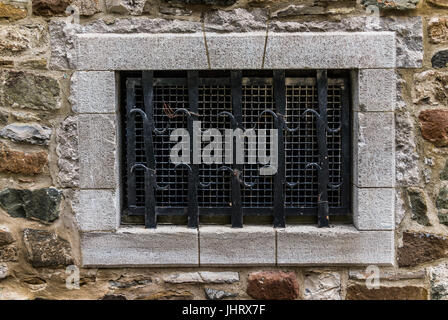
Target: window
(312,176)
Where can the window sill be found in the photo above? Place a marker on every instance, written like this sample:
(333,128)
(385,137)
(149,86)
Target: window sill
(178,246)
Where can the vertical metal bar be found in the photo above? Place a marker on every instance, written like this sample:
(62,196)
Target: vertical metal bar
(322,197)
(345,140)
(237,101)
(279,179)
(130,142)
(193,176)
(150,176)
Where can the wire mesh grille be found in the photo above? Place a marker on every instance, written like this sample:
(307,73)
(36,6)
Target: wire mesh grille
(300,147)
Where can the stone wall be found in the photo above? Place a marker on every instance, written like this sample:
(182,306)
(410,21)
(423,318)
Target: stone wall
(39,171)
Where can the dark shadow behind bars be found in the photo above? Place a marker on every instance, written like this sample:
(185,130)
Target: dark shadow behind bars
(310,110)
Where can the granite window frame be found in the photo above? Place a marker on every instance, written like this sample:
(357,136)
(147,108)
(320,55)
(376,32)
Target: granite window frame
(95,85)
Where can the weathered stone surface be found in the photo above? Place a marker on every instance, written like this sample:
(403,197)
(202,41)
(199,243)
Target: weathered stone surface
(252,245)
(442,198)
(42,92)
(438,29)
(348,50)
(93,92)
(164,246)
(46,249)
(444,172)
(40,64)
(97,151)
(388,275)
(417,202)
(232,51)
(124,282)
(87,7)
(203,277)
(373,208)
(237,20)
(374,149)
(8,254)
(362,292)
(4,115)
(434,126)
(67,151)
(440,59)
(391,5)
(400,208)
(430,87)
(438,277)
(21,162)
(439,3)
(322,285)
(154,52)
(4,271)
(212,294)
(219,277)
(62,35)
(443,218)
(407,170)
(96,210)
(173,10)
(273,285)
(40,204)
(20,39)
(333,246)
(11,13)
(296,10)
(408,33)
(375,89)
(419,248)
(6,236)
(133,7)
(50,8)
(32,133)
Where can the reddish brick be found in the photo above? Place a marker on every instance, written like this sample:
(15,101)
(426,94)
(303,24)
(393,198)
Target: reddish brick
(273,285)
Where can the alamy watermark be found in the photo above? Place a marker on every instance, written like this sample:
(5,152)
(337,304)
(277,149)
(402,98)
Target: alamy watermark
(262,147)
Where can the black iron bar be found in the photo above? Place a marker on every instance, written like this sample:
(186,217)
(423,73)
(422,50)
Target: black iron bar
(130,141)
(193,96)
(279,178)
(323,172)
(237,100)
(150,174)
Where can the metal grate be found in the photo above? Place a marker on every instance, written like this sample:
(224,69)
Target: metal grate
(214,94)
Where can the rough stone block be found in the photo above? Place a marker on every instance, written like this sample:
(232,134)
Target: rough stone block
(223,245)
(374,149)
(409,292)
(141,51)
(322,285)
(97,147)
(96,210)
(203,277)
(273,285)
(373,208)
(93,92)
(339,245)
(332,50)
(376,90)
(419,248)
(164,246)
(236,50)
